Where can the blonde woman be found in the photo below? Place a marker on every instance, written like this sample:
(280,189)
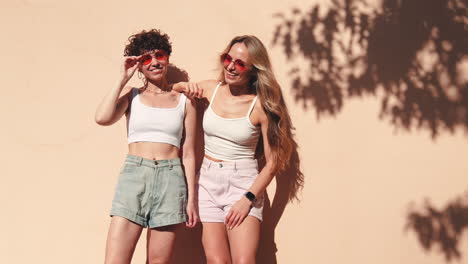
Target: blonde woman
(152,188)
(245,107)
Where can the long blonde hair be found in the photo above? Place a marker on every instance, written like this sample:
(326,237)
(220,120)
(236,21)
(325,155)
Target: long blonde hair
(264,84)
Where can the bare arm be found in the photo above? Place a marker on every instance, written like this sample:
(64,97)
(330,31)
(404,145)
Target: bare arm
(241,208)
(188,159)
(200,90)
(115,103)
(113,106)
(266,174)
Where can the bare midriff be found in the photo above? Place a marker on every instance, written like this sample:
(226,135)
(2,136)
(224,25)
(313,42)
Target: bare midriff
(153,150)
(213,159)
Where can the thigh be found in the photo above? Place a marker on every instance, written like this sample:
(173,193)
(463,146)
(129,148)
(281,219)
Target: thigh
(244,240)
(121,240)
(215,243)
(160,243)
(210,196)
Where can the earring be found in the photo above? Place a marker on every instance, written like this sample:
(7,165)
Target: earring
(142,78)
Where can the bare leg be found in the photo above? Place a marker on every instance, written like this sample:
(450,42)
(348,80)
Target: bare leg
(215,243)
(160,244)
(121,240)
(243,241)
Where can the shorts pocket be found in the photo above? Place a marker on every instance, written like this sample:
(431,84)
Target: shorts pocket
(247,173)
(176,182)
(207,180)
(128,167)
(244,178)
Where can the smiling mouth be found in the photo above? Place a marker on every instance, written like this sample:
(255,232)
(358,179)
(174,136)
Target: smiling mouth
(156,70)
(230,74)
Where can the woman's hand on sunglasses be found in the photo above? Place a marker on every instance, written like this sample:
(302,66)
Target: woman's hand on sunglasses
(131,64)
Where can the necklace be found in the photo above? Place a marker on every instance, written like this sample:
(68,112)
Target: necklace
(158,92)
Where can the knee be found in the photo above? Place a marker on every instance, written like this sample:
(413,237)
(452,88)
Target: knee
(244,260)
(115,260)
(112,257)
(157,259)
(217,259)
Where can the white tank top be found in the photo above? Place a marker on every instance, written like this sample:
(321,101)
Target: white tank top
(229,138)
(152,124)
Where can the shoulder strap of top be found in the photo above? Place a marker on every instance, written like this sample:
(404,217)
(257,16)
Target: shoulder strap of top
(252,106)
(134,93)
(214,93)
(182,101)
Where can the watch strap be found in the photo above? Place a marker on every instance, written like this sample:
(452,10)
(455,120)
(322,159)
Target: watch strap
(250,196)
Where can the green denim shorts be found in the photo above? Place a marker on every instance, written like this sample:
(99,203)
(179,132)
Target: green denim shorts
(151,193)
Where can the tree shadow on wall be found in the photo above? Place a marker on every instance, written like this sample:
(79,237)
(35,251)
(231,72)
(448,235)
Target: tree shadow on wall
(410,53)
(443,228)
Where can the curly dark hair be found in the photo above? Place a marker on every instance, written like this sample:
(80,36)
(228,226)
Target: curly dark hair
(147,41)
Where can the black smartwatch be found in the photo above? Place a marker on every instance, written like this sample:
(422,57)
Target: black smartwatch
(250,196)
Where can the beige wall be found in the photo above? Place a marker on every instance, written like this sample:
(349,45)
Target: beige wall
(59,168)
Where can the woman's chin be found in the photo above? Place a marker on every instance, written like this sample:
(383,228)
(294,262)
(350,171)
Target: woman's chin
(229,81)
(236,82)
(156,77)
(233,81)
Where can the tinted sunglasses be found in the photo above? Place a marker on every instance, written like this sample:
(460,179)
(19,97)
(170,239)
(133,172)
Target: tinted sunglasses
(239,65)
(158,55)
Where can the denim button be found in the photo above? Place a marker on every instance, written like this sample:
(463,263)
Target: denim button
(220,165)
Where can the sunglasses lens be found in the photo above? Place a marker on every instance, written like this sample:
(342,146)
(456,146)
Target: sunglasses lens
(159,55)
(146,59)
(240,66)
(226,59)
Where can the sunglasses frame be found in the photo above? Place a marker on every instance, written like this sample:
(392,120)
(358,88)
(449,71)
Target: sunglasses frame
(239,65)
(159,55)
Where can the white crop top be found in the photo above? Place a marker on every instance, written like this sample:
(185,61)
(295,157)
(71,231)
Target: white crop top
(229,138)
(152,124)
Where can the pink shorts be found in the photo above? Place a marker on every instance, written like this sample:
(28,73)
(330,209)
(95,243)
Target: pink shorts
(221,184)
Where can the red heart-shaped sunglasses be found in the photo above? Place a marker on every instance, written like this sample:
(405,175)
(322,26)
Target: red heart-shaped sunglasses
(158,55)
(239,65)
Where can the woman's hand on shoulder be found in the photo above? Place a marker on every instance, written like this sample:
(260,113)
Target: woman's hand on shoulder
(200,90)
(208,87)
(190,89)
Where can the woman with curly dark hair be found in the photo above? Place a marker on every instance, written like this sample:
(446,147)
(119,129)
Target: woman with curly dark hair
(152,190)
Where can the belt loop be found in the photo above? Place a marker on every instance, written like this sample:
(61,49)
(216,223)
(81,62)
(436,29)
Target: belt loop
(209,164)
(170,164)
(235,166)
(140,161)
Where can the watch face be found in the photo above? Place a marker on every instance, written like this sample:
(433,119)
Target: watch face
(250,196)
